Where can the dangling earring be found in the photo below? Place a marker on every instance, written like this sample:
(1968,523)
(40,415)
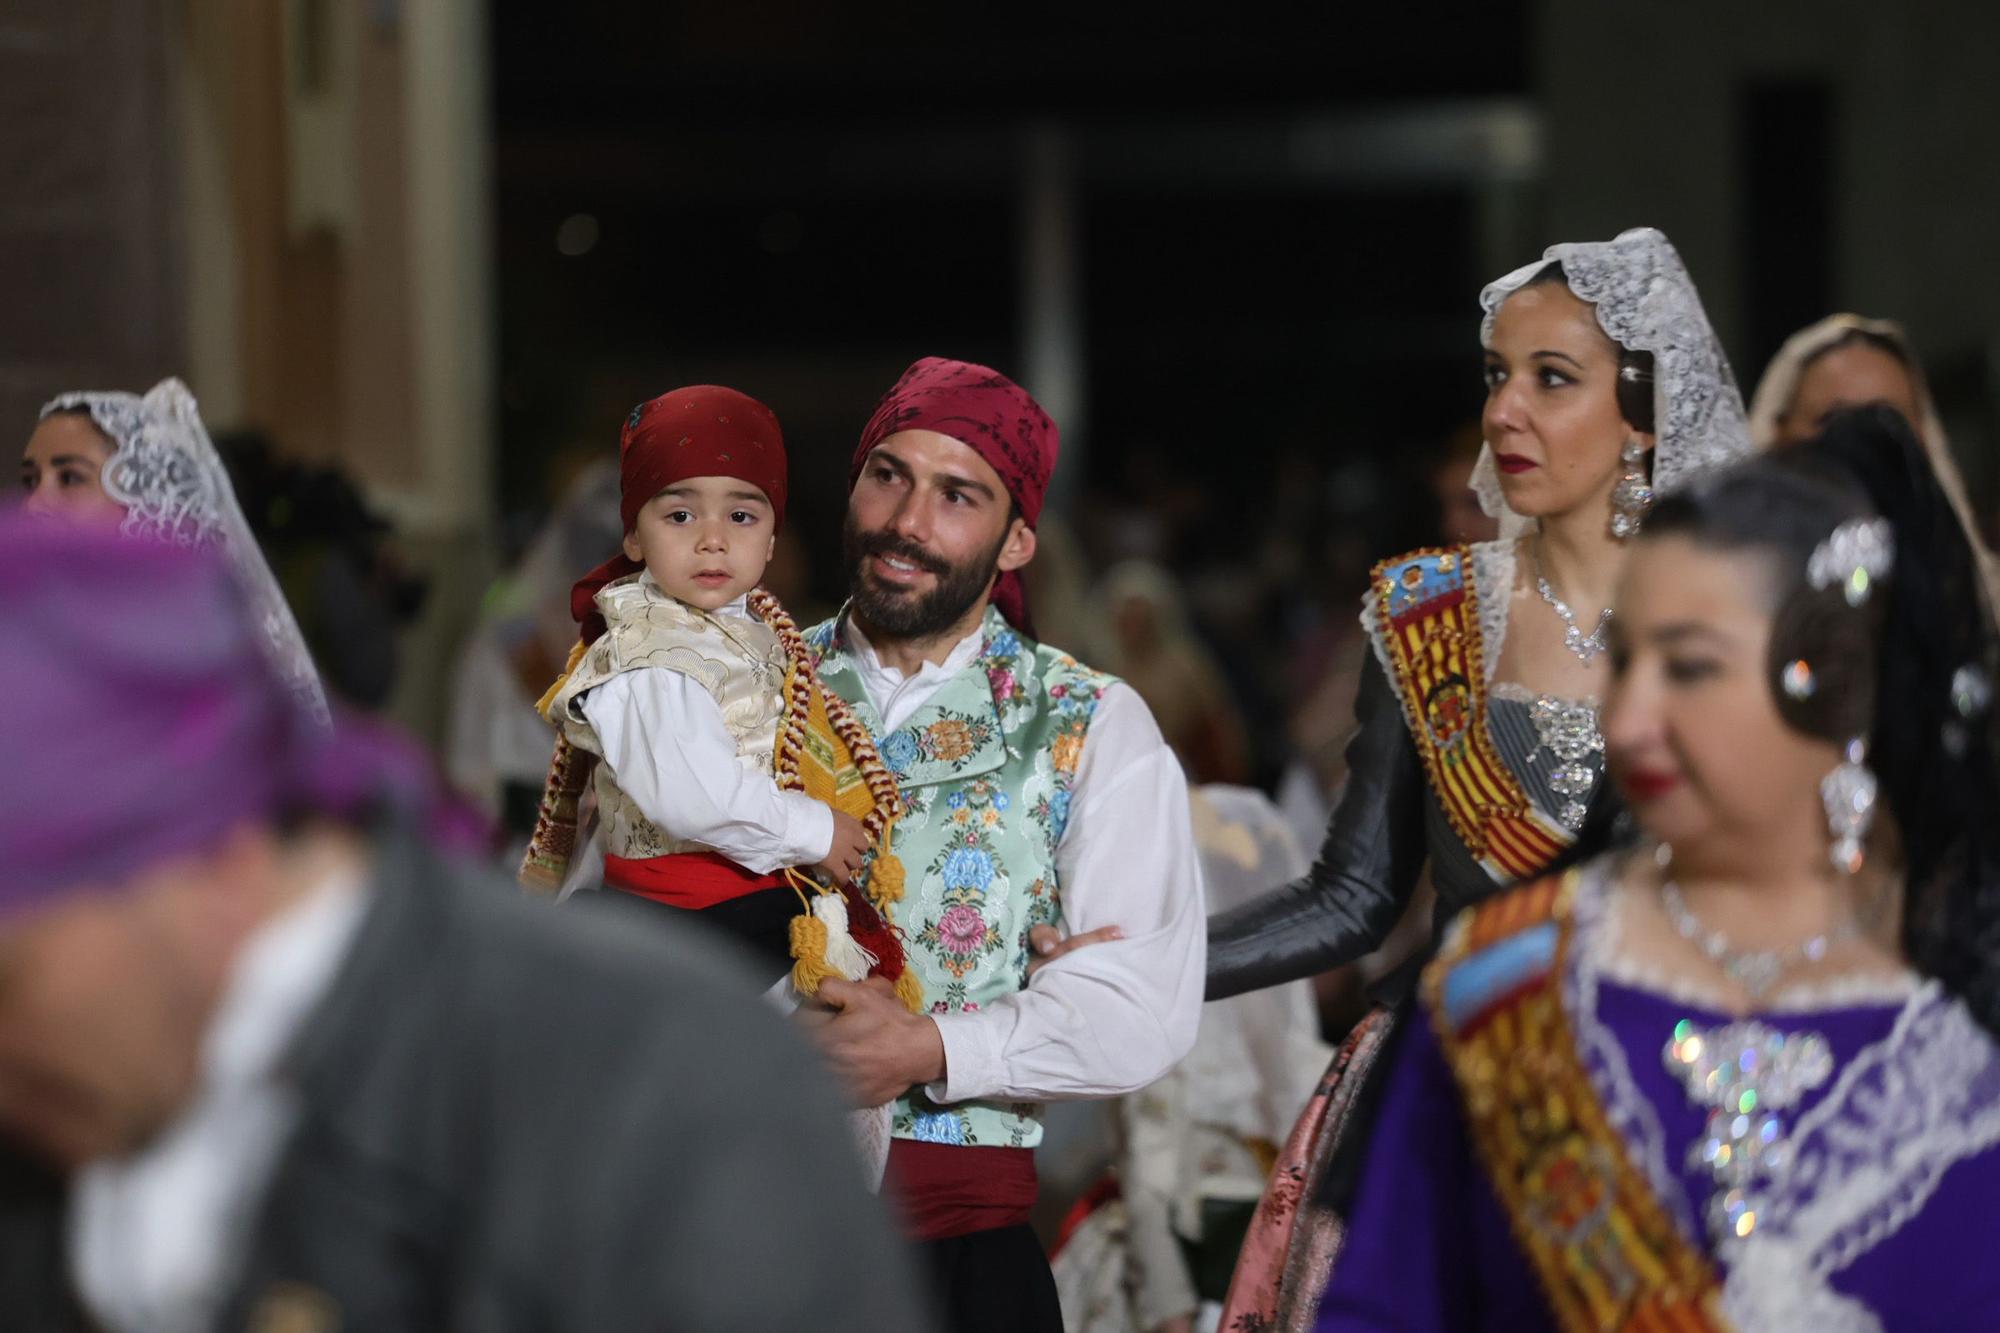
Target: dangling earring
(1849,796)
(1633,495)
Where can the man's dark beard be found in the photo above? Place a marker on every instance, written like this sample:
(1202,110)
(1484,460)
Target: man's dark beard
(896,614)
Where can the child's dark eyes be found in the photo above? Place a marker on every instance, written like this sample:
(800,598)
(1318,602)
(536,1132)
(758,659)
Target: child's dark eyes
(742,516)
(679,516)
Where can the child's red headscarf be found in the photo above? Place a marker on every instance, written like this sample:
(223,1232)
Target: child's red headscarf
(703,430)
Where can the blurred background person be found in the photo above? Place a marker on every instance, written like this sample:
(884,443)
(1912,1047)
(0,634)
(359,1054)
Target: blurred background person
(1846,361)
(1150,646)
(301,1071)
(147,464)
(337,560)
(1153,1245)
(497,747)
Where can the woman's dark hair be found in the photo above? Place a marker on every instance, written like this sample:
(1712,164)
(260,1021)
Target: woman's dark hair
(1635,368)
(1911,669)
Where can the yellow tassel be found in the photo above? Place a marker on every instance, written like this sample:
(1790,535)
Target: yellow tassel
(885,879)
(885,875)
(548,699)
(809,965)
(909,990)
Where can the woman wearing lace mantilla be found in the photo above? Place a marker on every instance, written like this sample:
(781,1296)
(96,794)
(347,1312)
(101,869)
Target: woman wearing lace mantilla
(147,463)
(1478,749)
(1742,1075)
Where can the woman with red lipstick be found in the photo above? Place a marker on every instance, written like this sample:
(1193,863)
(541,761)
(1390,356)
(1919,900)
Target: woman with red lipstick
(1743,1074)
(1478,754)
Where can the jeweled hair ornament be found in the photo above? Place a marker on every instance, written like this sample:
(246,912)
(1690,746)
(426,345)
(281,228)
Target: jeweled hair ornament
(1857,555)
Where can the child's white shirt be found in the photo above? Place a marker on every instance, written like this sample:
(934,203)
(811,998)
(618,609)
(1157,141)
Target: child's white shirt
(663,735)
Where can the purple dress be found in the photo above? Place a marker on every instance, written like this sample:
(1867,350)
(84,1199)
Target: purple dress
(1861,1170)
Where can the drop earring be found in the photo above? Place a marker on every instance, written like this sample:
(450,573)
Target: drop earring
(1849,794)
(1632,497)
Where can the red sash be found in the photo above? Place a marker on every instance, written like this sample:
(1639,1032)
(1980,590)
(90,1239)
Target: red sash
(693,880)
(946,1190)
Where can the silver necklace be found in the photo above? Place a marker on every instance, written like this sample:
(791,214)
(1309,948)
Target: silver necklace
(1756,970)
(1585,646)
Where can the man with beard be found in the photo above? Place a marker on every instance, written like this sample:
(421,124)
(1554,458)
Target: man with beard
(1040,794)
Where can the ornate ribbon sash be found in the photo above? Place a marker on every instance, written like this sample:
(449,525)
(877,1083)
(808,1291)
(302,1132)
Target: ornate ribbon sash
(1427,606)
(1605,1250)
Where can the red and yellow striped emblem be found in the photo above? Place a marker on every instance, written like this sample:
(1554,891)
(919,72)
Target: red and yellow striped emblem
(1427,603)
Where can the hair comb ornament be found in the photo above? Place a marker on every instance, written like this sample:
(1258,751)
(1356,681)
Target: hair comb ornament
(1854,557)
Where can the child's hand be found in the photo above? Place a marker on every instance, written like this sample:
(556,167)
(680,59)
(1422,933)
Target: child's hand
(850,843)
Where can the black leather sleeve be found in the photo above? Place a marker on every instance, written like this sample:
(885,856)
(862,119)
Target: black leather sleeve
(1367,867)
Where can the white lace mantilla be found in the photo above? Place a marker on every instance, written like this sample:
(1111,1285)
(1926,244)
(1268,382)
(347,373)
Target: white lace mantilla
(1864,1160)
(167,474)
(1645,302)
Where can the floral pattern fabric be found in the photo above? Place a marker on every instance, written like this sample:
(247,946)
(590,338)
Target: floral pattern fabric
(987,768)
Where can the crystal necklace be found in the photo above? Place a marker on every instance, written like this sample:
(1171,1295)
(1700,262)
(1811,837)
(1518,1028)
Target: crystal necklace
(1585,646)
(1568,730)
(1756,970)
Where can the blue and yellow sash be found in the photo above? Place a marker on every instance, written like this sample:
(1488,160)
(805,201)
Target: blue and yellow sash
(1604,1248)
(1427,606)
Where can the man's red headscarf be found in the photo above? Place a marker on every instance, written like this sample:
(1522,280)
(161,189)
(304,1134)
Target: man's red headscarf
(703,430)
(996,419)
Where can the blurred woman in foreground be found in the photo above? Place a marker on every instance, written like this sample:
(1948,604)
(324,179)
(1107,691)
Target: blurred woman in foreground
(1744,1073)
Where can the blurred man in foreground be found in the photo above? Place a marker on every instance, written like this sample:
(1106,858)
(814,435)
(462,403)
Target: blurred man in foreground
(302,1074)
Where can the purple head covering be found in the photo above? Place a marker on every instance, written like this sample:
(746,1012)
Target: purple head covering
(140,720)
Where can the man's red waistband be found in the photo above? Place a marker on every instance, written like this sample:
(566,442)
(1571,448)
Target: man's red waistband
(692,880)
(945,1190)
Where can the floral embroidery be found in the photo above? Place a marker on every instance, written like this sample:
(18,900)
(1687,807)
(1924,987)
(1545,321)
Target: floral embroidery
(1052,812)
(900,750)
(941,1127)
(967,868)
(1067,750)
(948,740)
(961,930)
(961,935)
(996,757)
(1041,912)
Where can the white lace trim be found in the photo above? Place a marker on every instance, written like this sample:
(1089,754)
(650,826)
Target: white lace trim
(1493,575)
(1593,939)
(1906,1109)
(166,473)
(1645,302)
(1865,1159)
